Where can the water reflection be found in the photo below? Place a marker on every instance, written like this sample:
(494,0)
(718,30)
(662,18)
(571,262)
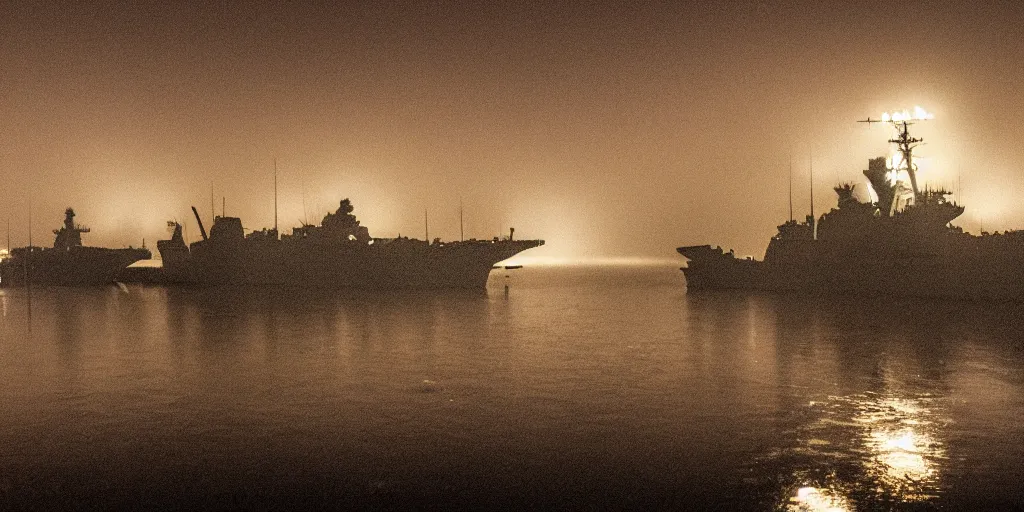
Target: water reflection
(860,396)
(902,437)
(810,499)
(866,450)
(604,393)
(230,320)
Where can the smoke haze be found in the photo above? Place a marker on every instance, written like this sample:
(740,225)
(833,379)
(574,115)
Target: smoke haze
(609,130)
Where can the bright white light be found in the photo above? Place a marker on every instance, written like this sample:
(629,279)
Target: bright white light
(896,441)
(817,500)
(900,452)
(896,161)
(897,169)
(903,447)
(521,259)
(872,195)
(919,114)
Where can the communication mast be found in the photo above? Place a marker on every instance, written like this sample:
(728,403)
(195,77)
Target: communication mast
(905,143)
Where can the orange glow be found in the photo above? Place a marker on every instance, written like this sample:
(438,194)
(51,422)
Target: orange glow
(549,261)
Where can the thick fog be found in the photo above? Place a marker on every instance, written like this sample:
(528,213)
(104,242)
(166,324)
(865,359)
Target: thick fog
(610,130)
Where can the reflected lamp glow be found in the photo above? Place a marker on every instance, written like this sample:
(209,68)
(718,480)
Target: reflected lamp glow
(902,447)
(900,453)
(812,499)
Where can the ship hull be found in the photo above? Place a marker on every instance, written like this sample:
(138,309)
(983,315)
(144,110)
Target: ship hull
(75,266)
(952,274)
(394,264)
(900,243)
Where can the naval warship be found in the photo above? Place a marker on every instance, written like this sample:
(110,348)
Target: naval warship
(337,253)
(68,262)
(900,244)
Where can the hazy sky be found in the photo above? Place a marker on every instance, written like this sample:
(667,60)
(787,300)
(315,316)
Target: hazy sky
(606,129)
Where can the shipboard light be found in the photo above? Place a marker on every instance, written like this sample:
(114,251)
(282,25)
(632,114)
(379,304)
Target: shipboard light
(918,114)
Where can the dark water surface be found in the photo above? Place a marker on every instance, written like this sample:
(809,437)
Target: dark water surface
(584,388)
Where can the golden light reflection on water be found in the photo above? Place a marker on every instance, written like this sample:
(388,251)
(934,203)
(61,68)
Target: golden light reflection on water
(901,439)
(880,448)
(812,499)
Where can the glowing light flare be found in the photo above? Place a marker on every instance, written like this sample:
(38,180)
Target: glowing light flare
(894,176)
(898,441)
(555,260)
(898,169)
(918,114)
(812,499)
(896,161)
(543,261)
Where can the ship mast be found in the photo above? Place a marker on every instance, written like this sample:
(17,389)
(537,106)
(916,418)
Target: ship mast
(905,143)
(791,185)
(814,220)
(275,199)
(28,262)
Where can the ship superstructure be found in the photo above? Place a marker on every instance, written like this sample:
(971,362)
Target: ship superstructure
(68,262)
(337,253)
(900,243)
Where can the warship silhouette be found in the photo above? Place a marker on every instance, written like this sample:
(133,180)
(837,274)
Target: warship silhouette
(338,253)
(68,262)
(901,244)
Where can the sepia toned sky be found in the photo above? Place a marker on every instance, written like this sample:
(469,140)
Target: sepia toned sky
(608,129)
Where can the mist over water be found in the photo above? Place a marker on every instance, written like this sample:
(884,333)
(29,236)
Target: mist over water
(585,386)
